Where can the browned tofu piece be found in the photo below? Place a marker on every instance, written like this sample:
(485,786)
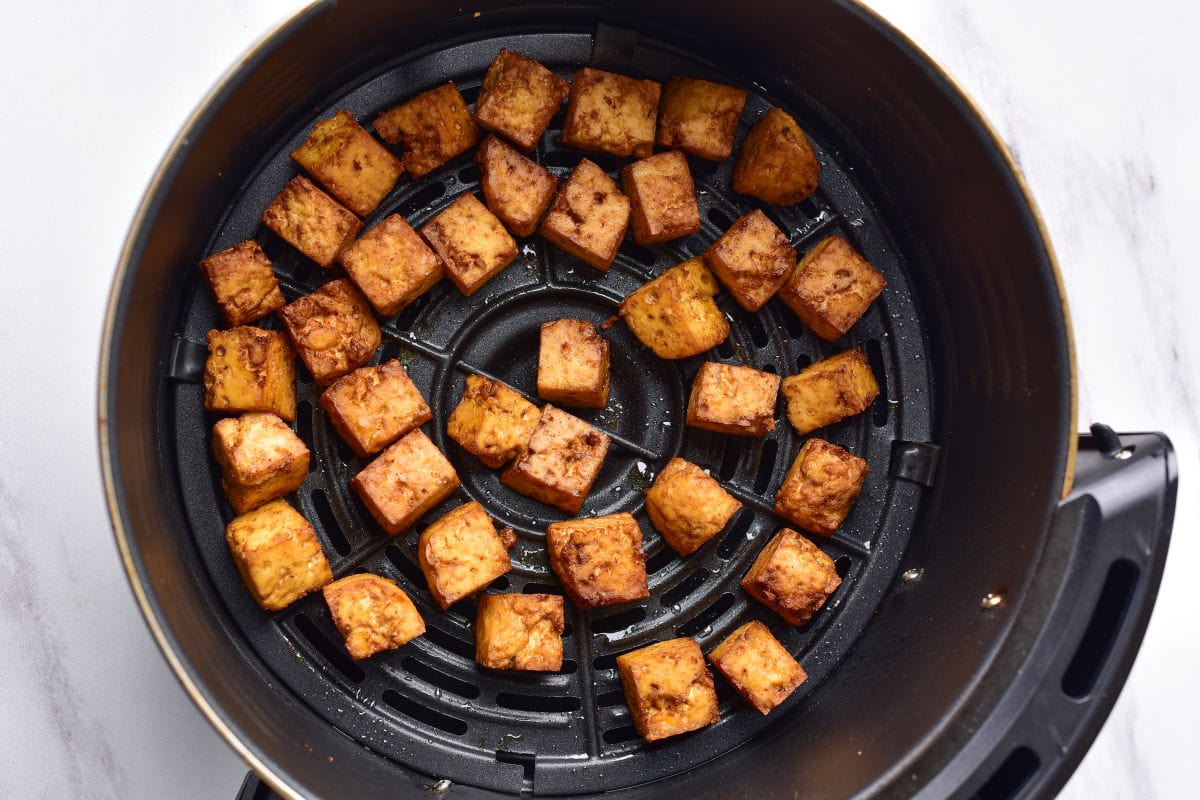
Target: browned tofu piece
(675,314)
(662,198)
(461,553)
(260,457)
(687,506)
(492,421)
(792,577)
(776,163)
(391,265)
(599,560)
(727,398)
(573,367)
(332,329)
(758,667)
(409,478)
(374,406)
(243,283)
(832,287)
(278,554)
(311,221)
(700,117)
(435,127)
(519,631)
(821,487)
(518,98)
(559,462)
(249,369)
(517,190)
(668,688)
(753,259)
(611,113)
(471,241)
(372,613)
(830,390)
(589,216)
(348,162)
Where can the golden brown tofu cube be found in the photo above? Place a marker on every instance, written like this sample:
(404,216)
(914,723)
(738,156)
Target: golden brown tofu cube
(573,364)
(611,113)
(668,688)
(249,369)
(243,283)
(278,554)
(560,461)
(753,259)
(727,398)
(519,631)
(758,667)
(589,216)
(374,406)
(830,390)
(518,98)
(821,487)
(599,560)
(776,163)
(517,190)
(675,314)
(832,287)
(471,241)
(461,553)
(260,457)
(687,506)
(348,162)
(662,198)
(372,613)
(435,127)
(700,117)
(492,421)
(792,577)
(391,265)
(311,221)
(333,330)
(405,481)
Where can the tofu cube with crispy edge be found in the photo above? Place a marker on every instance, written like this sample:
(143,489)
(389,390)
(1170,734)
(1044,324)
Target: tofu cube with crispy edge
(675,314)
(668,688)
(461,553)
(752,259)
(391,265)
(517,190)
(687,506)
(832,287)
(573,368)
(404,482)
(243,283)
(471,241)
(792,577)
(311,221)
(435,127)
(374,406)
(830,390)
(492,421)
(758,667)
(518,98)
(249,369)
(333,330)
(821,487)
(347,161)
(776,163)
(662,197)
(599,560)
(278,554)
(727,398)
(372,614)
(559,462)
(589,216)
(700,117)
(519,631)
(260,457)
(611,113)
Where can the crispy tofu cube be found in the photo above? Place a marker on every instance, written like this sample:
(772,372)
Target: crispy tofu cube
(249,369)
(675,314)
(727,398)
(792,577)
(599,559)
(471,241)
(573,364)
(668,688)
(776,163)
(700,117)
(589,216)
(662,198)
(611,113)
(372,613)
(518,98)
(278,554)
(830,390)
(404,482)
(517,190)
(374,406)
(753,259)
(311,221)
(492,421)
(758,667)
(559,462)
(435,127)
(261,459)
(333,330)
(520,631)
(687,506)
(391,265)
(347,161)
(821,487)
(461,553)
(243,283)
(832,287)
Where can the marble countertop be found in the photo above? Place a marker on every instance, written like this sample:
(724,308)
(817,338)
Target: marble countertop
(1098,104)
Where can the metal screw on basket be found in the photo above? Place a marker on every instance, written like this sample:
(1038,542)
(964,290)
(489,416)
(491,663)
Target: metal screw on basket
(991,600)
(912,575)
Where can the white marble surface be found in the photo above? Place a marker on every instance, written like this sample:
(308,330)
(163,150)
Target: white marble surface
(1097,100)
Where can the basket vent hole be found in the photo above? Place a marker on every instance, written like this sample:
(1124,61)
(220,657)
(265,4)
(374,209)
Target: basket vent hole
(809,209)
(527,762)
(757,332)
(696,246)
(335,654)
(560,158)
(446,641)
(345,453)
(423,713)
(725,349)
(625,733)
(702,622)
(304,422)
(803,361)
(795,328)
(542,588)
(719,218)
(642,255)
(329,523)
(620,621)
(569,666)
(659,560)
(613,697)
(407,568)
(729,462)
(609,660)
(842,565)
(737,534)
(501,583)
(407,318)
(879,408)
(440,679)
(469,174)
(680,592)
(766,466)
(1011,776)
(422,199)
(1092,653)
(549,704)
